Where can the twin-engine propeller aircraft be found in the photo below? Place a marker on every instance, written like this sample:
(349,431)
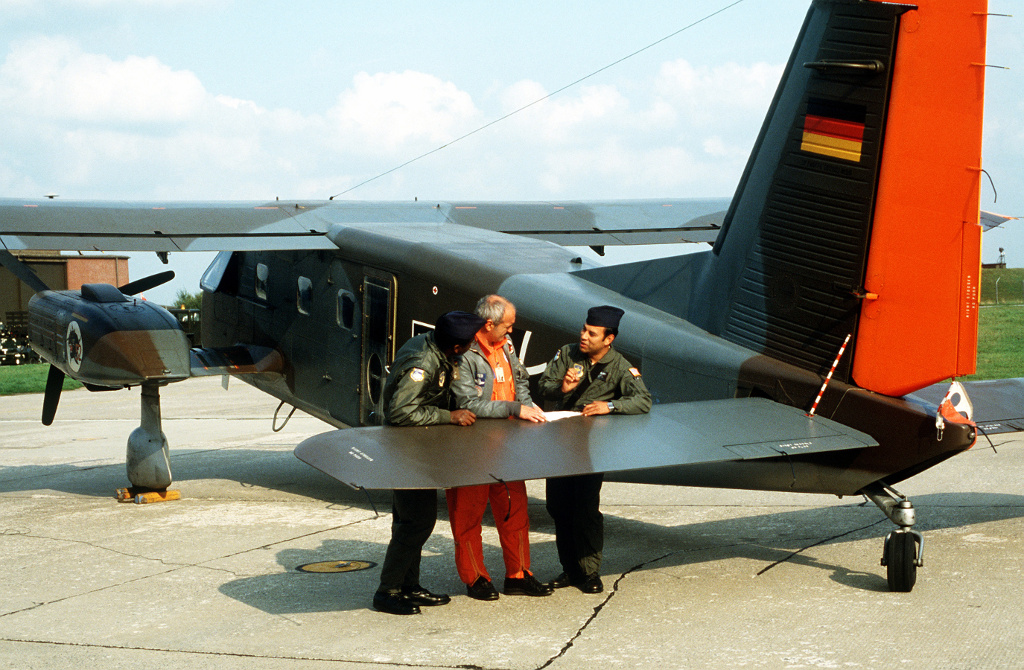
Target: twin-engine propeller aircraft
(856,220)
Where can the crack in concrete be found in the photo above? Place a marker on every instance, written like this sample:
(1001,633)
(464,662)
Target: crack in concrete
(87,543)
(615,586)
(174,567)
(597,610)
(221,654)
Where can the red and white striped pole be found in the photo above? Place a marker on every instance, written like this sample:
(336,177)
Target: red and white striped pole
(828,377)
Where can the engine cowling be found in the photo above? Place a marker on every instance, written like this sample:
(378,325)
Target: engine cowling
(102,337)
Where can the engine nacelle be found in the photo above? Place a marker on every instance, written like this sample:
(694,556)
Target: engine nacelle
(102,337)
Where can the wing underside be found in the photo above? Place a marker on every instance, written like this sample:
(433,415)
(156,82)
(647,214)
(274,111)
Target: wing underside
(241,226)
(671,435)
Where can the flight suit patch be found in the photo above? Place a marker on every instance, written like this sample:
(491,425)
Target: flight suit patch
(634,372)
(416,375)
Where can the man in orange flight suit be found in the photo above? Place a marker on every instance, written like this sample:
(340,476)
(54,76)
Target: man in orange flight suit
(492,383)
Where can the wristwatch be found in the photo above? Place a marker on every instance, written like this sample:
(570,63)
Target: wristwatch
(611,407)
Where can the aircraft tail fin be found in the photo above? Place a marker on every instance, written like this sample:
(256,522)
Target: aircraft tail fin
(858,210)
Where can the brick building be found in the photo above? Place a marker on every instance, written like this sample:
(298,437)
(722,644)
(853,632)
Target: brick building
(59,273)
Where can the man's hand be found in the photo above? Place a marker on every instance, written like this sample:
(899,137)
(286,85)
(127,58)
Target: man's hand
(595,408)
(534,414)
(463,417)
(571,379)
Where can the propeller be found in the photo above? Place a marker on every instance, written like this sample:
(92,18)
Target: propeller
(146,283)
(54,385)
(22,271)
(55,378)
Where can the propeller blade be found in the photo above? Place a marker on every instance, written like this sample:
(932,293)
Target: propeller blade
(54,384)
(146,283)
(22,271)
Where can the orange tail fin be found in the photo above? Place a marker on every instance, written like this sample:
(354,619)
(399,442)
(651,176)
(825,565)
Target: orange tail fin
(924,261)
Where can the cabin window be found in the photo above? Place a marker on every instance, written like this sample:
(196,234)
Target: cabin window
(262,277)
(304,295)
(346,315)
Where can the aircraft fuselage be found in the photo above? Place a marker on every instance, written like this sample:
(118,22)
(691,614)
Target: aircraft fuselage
(337,322)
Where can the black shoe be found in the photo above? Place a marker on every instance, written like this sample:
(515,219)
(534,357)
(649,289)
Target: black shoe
(482,589)
(393,603)
(418,595)
(560,582)
(591,584)
(527,585)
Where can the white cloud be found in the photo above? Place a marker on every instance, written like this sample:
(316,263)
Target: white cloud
(721,94)
(53,79)
(560,119)
(388,110)
(88,125)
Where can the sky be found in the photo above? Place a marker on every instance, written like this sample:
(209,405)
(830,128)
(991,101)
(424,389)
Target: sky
(230,100)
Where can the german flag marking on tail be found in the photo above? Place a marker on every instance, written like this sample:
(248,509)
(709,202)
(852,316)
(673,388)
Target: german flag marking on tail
(833,129)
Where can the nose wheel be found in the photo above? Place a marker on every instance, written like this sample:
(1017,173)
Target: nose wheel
(903,552)
(901,556)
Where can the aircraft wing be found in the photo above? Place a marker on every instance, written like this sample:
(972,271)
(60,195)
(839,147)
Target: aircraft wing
(494,450)
(241,226)
(998,403)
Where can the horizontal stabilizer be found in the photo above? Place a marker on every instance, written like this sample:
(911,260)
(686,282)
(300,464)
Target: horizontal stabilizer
(990,220)
(998,403)
(672,434)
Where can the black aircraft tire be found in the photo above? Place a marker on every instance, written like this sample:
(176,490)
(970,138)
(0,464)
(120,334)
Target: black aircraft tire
(901,562)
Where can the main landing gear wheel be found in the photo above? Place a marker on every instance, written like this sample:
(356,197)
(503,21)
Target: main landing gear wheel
(903,552)
(148,460)
(900,560)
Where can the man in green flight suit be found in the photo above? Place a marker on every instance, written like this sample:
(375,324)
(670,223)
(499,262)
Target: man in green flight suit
(592,378)
(416,393)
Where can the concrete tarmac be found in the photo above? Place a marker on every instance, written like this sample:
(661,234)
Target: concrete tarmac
(695,578)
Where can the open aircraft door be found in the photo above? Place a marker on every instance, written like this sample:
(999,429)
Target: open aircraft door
(378,343)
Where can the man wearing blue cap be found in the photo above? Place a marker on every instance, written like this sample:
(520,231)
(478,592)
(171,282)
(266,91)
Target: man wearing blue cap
(592,378)
(416,393)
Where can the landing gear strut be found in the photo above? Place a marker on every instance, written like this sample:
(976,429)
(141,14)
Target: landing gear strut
(148,460)
(903,552)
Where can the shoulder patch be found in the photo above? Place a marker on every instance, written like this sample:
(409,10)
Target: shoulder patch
(417,375)
(634,372)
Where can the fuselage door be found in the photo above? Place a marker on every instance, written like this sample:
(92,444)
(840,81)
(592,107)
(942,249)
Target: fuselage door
(378,344)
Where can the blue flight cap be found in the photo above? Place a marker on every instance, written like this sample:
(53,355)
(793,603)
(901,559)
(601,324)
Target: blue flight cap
(457,328)
(604,316)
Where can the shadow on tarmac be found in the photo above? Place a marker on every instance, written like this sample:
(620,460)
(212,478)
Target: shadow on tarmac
(631,547)
(273,470)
